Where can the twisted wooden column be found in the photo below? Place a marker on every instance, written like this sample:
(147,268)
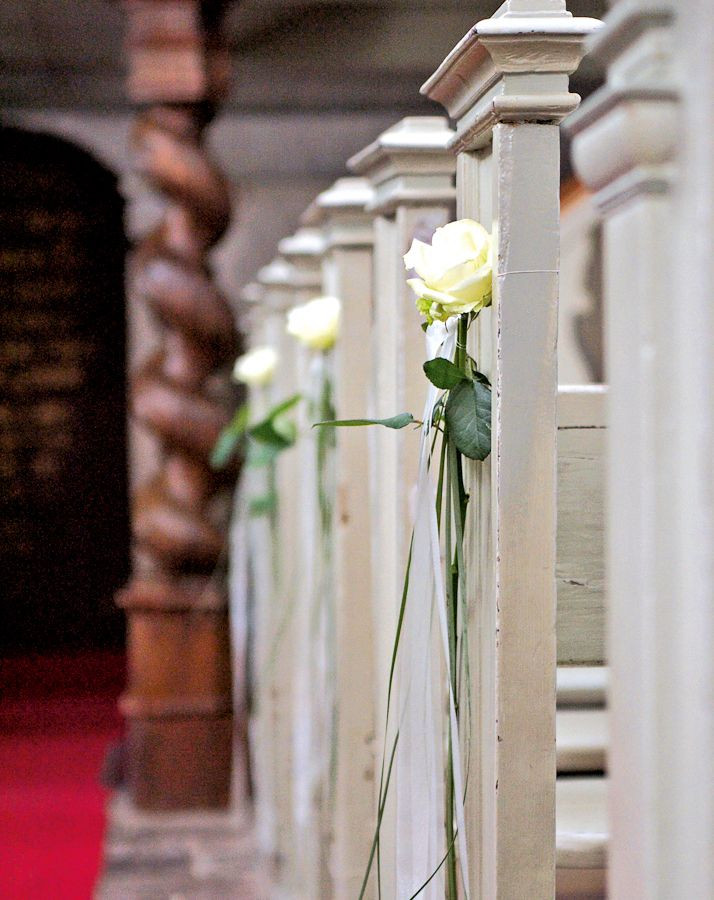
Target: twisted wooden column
(178,701)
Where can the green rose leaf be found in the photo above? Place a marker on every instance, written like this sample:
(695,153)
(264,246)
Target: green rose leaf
(399,421)
(468,417)
(225,448)
(266,433)
(260,455)
(442,373)
(284,406)
(261,506)
(286,428)
(274,429)
(229,439)
(479,376)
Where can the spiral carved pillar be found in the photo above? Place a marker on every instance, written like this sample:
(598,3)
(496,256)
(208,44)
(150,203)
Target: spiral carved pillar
(178,701)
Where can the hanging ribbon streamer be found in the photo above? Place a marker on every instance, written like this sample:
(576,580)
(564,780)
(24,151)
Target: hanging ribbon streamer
(419,763)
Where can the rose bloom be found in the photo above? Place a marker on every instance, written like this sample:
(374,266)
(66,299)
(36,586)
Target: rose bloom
(257,367)
(454,270)
(316,323)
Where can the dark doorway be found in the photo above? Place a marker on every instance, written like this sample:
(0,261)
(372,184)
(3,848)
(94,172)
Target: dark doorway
(64,533)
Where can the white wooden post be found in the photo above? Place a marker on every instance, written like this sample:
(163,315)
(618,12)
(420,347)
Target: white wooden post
(253,572)
(275,673)
(303,877)
(687,703)
(412,174)
(506,84)
(630,147)
(347,274)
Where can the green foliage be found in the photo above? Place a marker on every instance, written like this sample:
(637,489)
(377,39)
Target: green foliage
(468,418)
(260,455)
(399,421)
(442,373)
(261,506)
(230,438)
(274,431)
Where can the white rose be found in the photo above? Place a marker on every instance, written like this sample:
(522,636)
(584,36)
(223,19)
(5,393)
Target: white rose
(316,323)
(454,270)
(257,367)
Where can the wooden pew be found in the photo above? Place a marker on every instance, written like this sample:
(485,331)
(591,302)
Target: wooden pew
(642,144)
(506,86)
(347,274)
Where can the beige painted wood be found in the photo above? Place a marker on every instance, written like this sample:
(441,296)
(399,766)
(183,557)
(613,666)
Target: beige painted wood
(276,673)
(257,572)
(581,740)
(580,566)
(582,838)
(506,85)
(659,461)
(347,274)
(645,146)
(685,705)
(411,172)
(303,867)
(582,685)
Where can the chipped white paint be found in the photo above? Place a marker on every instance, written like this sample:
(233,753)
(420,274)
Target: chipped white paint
(506,84)
(347,274)
(411,172)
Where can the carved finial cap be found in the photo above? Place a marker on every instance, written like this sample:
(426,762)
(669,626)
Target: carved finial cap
(412,137)
(347,195)
(277,273)
(485,79)
(408,164)
(306,242)
(252,293)
(525,38)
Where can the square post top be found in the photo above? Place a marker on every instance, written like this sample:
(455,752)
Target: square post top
(409,164)
(513,67)
(625,135)
(279,279)
(341,213)
(306,243)
(250,306)
(304,251)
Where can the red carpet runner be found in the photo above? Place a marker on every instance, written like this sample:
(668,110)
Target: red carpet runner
(57,717)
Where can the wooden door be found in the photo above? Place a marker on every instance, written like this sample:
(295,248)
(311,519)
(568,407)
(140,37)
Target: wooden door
(64,540)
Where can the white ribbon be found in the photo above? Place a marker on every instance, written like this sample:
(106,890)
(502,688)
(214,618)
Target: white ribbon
(419,768)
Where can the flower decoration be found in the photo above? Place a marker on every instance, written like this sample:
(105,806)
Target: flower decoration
(316,323)
(455,272)
(257,367)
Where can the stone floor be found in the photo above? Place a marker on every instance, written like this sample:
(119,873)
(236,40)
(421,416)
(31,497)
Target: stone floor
(187,856)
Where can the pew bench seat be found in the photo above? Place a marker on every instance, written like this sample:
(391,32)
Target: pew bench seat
(581,838)
(581,740)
